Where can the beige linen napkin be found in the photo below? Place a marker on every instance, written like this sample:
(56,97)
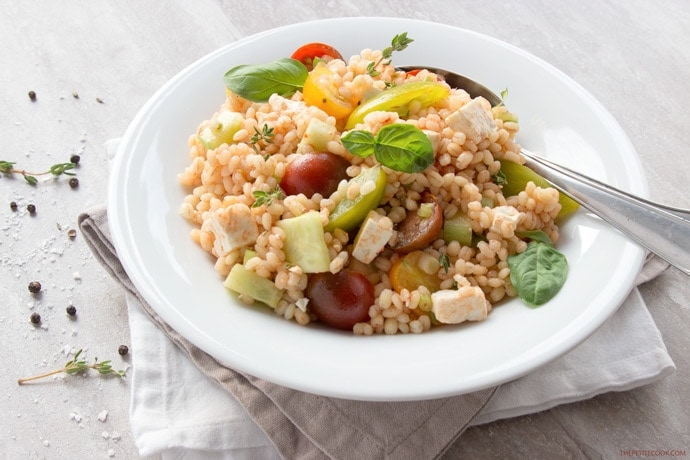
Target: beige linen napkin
(301,425)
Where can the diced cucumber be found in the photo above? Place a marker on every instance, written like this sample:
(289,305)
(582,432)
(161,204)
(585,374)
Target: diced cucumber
(251,284)
(221,129)
(516,178)
(458,228)
(487,202)
(348,214)
(305,245)
(317,134)
(248,254)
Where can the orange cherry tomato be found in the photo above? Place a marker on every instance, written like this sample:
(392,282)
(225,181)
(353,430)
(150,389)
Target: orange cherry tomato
(407,274)
(307,53)
(320,91)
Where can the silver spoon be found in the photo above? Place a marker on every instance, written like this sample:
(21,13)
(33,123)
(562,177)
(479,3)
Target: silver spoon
(661,229)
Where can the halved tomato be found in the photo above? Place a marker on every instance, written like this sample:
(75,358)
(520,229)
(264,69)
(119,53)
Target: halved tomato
(307,53)
(407,274)
(320,91)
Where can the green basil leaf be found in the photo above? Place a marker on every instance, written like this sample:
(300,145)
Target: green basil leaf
(360,143)
(536,235)
(404,147)
(538,273)
(257,82)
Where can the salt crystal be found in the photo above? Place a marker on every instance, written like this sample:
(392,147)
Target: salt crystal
(115,436)
(76,276)
(111,452)
(46,442)
(103,415)
(105,435)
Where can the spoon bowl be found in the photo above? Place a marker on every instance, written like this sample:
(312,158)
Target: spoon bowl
(662,230)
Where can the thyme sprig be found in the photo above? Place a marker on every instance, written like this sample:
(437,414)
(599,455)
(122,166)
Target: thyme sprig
(398,43)
(265,136)
(266,198)
(76,366)
(8,167)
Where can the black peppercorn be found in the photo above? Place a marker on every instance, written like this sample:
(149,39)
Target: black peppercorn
(71,310)
(35,318)
(31,208)
(34,287)
(13,205)
(75,159)
(123,350)
(74,182)
(32,95)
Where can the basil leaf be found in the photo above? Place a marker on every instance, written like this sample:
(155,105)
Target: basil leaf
(257,82)
(404,147)
(360,143)
(538,273)
(536,235)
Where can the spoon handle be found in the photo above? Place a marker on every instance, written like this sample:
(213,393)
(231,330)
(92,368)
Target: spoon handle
(661,229)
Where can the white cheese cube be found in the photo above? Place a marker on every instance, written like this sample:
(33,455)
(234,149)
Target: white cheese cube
(434,138)
(473,119)
(467,303)
(232,227)
(372,237)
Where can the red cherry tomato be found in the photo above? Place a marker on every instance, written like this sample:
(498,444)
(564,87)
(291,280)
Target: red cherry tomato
(307,53)
(340,300)
(416,232)
(314,173)
(413,72)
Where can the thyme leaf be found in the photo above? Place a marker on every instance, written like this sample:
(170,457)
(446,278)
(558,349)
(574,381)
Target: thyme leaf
(264,136)
(266,198)
(444,261)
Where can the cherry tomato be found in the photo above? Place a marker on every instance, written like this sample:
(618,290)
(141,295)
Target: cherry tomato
(418,232)
(307,53)
(340,300)
(320,91)
(314,173)
(407,274)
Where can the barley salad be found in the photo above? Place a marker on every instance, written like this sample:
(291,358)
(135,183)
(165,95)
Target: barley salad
(369,199)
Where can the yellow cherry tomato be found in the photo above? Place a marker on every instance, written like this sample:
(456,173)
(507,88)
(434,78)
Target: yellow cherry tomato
(320,91)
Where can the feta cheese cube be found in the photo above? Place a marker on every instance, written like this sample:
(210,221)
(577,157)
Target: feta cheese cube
(473,119)
(467,303)
(372,237)
(232,227)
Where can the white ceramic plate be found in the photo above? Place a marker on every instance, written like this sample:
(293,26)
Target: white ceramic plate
(558,119)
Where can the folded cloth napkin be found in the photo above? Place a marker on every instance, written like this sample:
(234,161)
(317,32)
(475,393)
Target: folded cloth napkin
(194,407)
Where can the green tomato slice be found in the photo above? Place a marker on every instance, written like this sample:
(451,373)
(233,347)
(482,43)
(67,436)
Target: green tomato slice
(349,214)
(516,178)
(398,99)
